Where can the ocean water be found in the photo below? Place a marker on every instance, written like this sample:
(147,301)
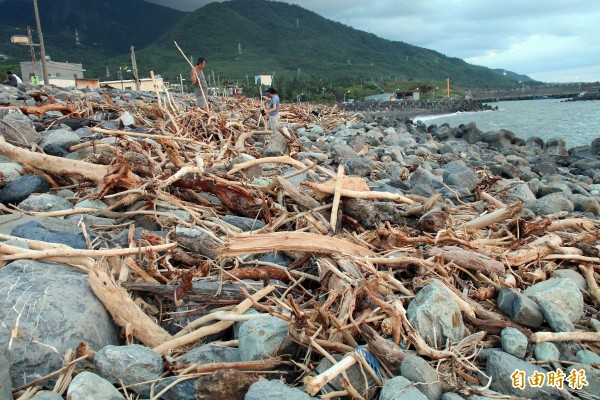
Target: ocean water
(577,122)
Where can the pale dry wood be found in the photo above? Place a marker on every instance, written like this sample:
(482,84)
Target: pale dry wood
(540,337)
(469,260)
(588,273)
(578,224)
(290,241)
(84,264)
(491,199)
(533,251)
(38,255)
(313,384)
(56,165)
(336,197)
(143,135)
(494,217)
(214,328)
(360,195)
(267,160)
(124,310)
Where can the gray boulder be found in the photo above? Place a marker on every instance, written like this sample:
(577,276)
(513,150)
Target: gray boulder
(182,390)
(462,177)
(11,171)
(563,293)
(59,137)
(252,172)
(419,371)
(45,202)
(277,145)
(18,128)
(400,388)
(211,353)
(591,375)
(89,386)
(436,316)
(36,231)
(55,310)
(270,390)
(21,188)
(514,342)
(5,384)
(263,337)
(46,395)
(520,308)
(501,366)
(574,276)
(130,364)
(558,320)
(551,204)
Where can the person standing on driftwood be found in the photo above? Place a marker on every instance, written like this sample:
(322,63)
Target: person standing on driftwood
(273,110)
(199,84)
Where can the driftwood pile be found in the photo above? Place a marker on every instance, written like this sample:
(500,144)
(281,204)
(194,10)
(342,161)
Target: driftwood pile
(347,286)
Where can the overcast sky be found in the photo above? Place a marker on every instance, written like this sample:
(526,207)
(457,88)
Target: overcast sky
(548,40)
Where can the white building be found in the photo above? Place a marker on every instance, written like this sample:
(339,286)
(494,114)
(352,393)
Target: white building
(62,74)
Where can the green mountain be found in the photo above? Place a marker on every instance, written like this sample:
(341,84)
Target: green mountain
(84,31)
(292,41)
(239,39)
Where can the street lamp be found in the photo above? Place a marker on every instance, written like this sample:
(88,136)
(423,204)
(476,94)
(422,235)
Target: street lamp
(347,91)
(300,95)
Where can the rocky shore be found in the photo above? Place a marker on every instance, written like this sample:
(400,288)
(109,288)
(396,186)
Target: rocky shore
(151,250)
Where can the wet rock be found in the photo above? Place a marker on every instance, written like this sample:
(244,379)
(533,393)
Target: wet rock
(53,316)
(21,188)
(451,396)
(87,385)
(357,166)
(130,364)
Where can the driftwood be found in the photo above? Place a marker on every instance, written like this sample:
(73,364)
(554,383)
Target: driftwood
(123,309)
(98,174)
(201,291)
(288,241)
(468,259)
(534,251)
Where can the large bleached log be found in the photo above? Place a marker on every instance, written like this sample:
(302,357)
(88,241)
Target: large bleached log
(62,166)
(290,241)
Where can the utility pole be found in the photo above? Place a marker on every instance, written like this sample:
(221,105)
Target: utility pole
(448,85)
(41,38)
(32,51)
(135,70)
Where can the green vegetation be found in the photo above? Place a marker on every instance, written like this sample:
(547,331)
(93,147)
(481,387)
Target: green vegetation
(311,58)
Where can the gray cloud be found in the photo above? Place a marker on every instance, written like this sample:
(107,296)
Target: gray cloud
(549,40)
